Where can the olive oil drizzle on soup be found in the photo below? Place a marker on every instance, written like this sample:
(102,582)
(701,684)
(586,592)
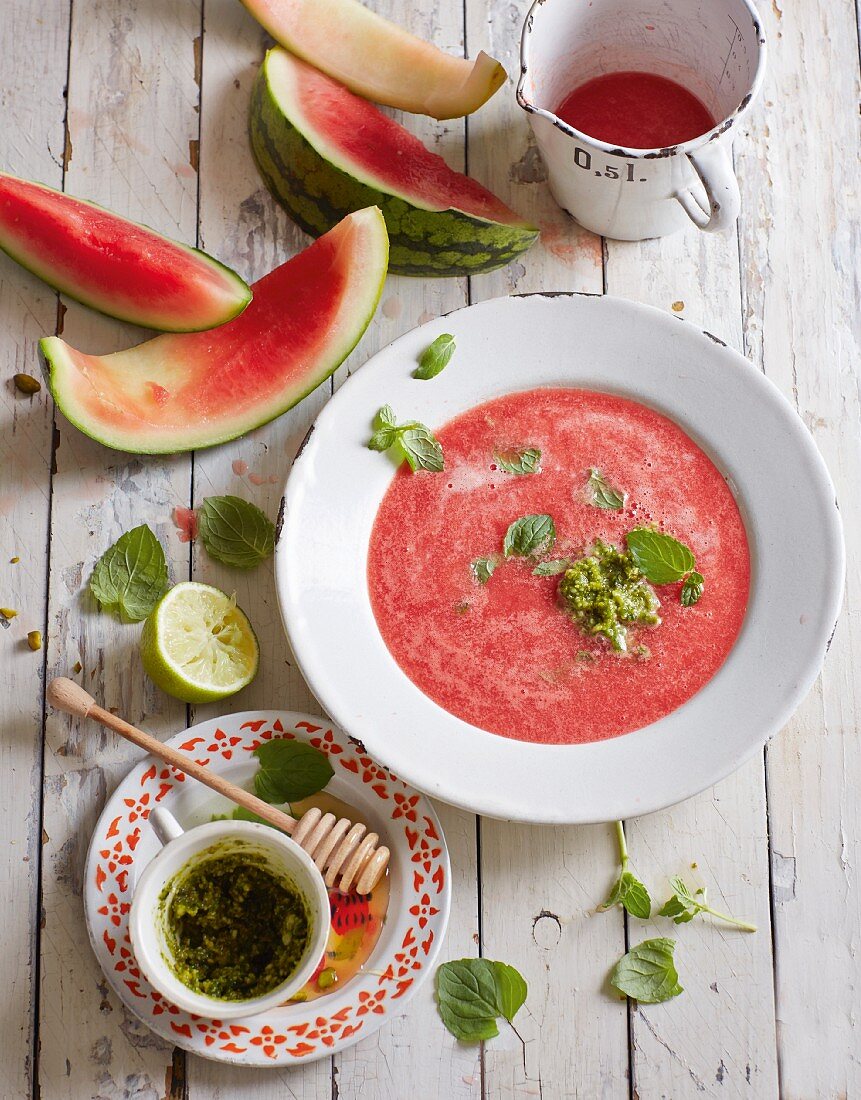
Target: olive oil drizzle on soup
(502,655)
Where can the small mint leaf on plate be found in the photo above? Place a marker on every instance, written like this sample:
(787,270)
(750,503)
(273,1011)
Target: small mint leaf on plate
(692,589)
(602,494)
(436,357)
(529,535)
(527,461)
(659,557)
(551,568)
(482,569)
(290,771)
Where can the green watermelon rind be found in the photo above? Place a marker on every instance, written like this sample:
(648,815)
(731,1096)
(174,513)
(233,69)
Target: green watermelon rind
(57,366)
(152,320)
(317,193)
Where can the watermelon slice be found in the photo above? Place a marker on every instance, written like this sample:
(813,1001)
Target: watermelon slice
(180,392)
(377,59)
(114,265)
(323,152)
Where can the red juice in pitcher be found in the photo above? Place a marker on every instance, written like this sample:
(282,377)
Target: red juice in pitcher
(637,110)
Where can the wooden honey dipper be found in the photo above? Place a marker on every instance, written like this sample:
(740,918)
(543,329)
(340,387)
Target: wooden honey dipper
(346,857)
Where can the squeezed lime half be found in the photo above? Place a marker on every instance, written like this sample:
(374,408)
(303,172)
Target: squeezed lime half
(197,645)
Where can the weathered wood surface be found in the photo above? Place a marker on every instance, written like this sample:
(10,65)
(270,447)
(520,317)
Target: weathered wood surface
(157,101)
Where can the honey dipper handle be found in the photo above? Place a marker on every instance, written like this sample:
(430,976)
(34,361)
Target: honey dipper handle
(66,695)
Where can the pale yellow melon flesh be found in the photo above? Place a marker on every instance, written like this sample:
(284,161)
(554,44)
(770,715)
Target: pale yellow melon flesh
(378,59)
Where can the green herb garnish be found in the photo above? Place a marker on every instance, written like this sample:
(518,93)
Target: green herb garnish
(234,531)
(604,591)
(241,814)
(527,461)
(416,443)
(473,993)
(290,770)
(647,973)
(131,577)
(482,569)
(628,891)
(602,494)
(659,557)
(692,589)
(529,535)
(551,568)
(684,905)
(436,357)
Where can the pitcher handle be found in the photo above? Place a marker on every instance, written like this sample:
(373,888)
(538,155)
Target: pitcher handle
(713,165)
(165,825)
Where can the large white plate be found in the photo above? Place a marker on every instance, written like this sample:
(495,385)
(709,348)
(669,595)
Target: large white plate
(123,843)
(752,434)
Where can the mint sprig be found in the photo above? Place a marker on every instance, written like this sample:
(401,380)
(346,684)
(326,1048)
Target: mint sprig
(436,357)
(602,494)
(692,589)
(235,531)
(130,578)
(627,891)
(411,440)
(529,536)
(290,770)
(473,993)
(664,560)
(685,904)
(519,462)
(647,973)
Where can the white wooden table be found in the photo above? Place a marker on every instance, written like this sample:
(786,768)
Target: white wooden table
(141,105)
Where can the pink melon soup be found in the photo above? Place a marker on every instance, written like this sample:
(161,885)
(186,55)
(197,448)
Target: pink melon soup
(503,655)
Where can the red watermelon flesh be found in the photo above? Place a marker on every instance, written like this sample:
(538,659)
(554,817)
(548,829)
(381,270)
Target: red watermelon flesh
(349,912)
(379,152)
(182,392)
(114,265)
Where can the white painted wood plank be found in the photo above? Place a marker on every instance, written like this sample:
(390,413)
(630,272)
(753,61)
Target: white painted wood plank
(256,468)
(540,886)
(800,264)
(132,114)
(720,1032)
(31,141)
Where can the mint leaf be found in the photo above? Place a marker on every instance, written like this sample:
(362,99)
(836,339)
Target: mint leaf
(416,443)
(422,449)
(473,993)
(529,535)
(627,891)
(684,905)
(659,557)
(436,357)
(131,577)
(551,568)
(290,770)
(234,531)
(482,569)
(692,589)
(647,973)
(602,494)
(527,461)
(511,989)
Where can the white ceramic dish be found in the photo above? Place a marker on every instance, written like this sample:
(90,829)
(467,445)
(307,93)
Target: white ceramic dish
(124,844)
(752,434)
(182,847)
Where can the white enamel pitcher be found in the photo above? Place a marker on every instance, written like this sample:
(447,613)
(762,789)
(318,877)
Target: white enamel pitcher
(714,48)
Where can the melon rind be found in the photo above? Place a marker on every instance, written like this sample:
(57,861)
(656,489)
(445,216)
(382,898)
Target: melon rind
(377,59)
(317,188)
(161,358)
(234,297)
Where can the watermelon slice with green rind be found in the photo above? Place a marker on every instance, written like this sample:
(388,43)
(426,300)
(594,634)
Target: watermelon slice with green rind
(378,59)
(182,392)
(114,265)
(323,152)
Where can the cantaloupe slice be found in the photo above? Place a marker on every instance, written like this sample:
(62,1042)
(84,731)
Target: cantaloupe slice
(377,59)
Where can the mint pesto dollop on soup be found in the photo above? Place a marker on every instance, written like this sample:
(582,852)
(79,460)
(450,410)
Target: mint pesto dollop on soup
(575,567)
(235,929)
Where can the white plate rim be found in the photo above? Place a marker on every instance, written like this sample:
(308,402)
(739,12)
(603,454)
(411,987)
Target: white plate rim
(362,1005)
(333,462)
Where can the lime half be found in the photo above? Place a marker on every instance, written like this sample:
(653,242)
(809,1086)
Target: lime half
(197,645)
